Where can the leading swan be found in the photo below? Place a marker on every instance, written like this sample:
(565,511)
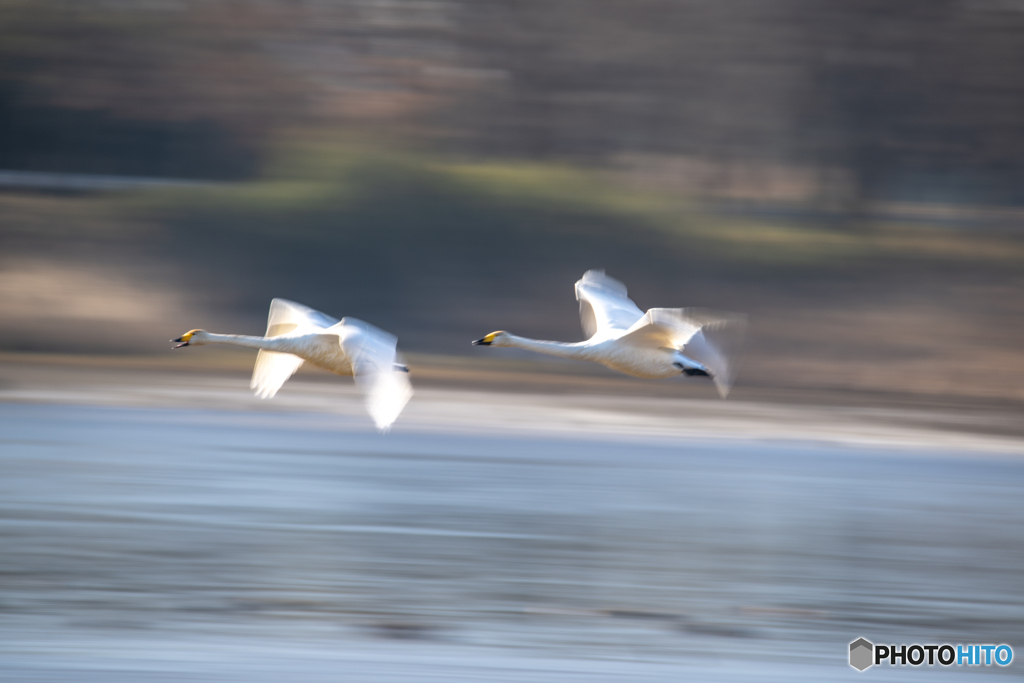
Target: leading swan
(663,342)
(349,347)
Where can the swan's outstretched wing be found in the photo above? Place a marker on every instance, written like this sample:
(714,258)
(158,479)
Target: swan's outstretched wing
(604,306)
(711,338)
(374,357)
(271,372)
(662,328)
(273,368)
(287,316)
(718,345)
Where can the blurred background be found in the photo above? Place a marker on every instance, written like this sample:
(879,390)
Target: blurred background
(849,173)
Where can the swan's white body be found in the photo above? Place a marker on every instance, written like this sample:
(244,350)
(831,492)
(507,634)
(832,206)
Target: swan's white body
(348,347)
(663,342)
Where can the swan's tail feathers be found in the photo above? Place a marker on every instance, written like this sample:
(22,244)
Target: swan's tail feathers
(718,345)
(272,370)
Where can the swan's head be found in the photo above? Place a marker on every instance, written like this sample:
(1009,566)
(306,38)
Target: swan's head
(191,337)
(499,338)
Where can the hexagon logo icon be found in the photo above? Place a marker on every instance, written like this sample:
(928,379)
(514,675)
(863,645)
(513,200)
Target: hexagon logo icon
(862,654)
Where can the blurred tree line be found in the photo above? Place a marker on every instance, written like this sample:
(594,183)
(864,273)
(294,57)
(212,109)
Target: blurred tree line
(919,100)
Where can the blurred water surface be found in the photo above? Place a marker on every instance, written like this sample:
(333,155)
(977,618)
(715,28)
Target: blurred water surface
(176,544)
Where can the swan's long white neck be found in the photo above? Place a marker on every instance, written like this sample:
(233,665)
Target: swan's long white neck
(578,351)
(272,344)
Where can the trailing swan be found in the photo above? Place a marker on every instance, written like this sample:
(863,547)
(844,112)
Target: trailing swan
(663,342)
(349,347)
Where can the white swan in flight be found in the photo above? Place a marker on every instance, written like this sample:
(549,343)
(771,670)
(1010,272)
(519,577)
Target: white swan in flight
(349,347)
(663,342)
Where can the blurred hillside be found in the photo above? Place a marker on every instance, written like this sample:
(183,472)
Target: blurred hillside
(848,173)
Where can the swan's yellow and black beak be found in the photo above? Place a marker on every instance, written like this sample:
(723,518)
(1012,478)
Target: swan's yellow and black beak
(486,341)
(184,339)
